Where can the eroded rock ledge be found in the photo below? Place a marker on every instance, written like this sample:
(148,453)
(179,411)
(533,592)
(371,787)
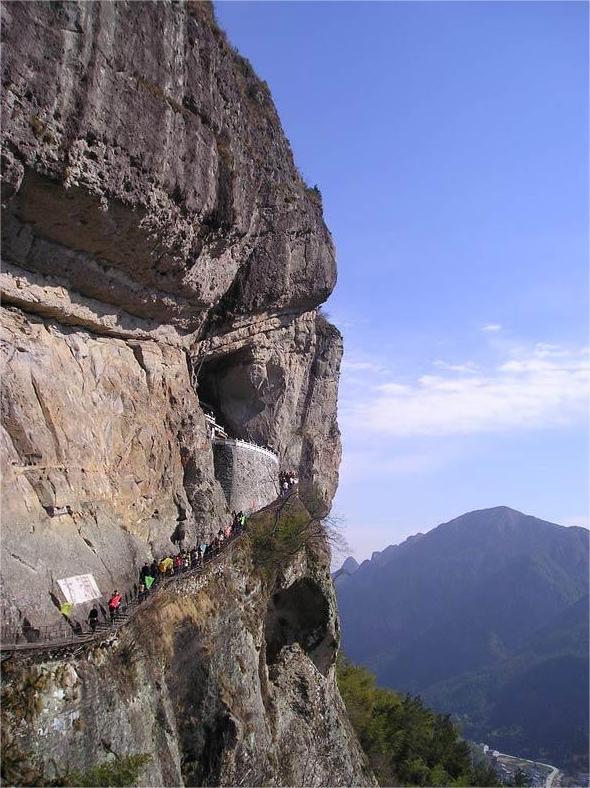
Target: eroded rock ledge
(226,678)
(161,249)
(158,243)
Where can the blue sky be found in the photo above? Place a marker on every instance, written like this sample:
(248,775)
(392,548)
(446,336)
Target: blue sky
(450,143)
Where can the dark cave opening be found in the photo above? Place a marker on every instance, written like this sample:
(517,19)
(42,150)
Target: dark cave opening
(300,614)
(227,391)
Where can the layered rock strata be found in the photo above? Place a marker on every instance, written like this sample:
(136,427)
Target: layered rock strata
(158,243)
(161,250)
(218,693)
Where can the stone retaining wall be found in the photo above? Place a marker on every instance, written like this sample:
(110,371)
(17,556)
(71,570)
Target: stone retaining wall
(249,474)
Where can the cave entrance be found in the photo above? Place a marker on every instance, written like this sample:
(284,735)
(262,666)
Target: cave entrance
(228,392)
(300,614)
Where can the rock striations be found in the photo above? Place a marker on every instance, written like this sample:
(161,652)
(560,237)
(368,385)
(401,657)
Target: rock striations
(160,250)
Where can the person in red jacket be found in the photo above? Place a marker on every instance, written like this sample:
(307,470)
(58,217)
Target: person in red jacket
(114,604)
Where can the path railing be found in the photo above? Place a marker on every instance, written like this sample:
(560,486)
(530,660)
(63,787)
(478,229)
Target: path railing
(16,639)
(247,445)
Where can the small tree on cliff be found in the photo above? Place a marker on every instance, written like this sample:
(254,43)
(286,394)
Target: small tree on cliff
(280,532)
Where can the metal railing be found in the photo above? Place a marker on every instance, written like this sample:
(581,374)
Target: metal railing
(70,633)
(50,638)
(247,445)
(219,435)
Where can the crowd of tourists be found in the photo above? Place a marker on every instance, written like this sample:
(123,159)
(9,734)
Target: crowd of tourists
(169,565)
(287,482)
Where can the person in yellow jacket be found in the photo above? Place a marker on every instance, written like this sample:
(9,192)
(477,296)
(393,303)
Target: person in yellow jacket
(166,566)
(66,609)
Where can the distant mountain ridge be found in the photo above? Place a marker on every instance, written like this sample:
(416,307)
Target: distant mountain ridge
(349,567)
(485,616)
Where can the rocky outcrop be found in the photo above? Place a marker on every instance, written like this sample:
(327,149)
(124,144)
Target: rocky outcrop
(108,433)
(275,381)
(158,242)
(140,141)
(223,679)
(160,250)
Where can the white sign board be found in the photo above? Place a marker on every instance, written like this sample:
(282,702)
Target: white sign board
(79,589)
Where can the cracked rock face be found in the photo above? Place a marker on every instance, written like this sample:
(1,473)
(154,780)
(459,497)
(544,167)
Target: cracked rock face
(135,136)
(161,250)
(100,430)
(156,237)
(208,696)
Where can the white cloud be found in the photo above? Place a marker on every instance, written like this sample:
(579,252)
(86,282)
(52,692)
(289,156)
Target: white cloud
(492,327)
(468,367)
(546,386)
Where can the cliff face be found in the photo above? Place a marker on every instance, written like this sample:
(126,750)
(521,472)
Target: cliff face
(142,143)
(205,682)
(158,243)
(159,250)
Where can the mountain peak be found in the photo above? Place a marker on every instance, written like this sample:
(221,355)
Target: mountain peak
(499,517)
(485,616)
(350,565)
(347,569)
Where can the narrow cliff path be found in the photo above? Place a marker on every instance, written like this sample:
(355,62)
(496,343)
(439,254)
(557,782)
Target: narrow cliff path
(58,639)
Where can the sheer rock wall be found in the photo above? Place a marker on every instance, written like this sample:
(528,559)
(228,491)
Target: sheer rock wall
(153,221)
(209,695)
(158,244)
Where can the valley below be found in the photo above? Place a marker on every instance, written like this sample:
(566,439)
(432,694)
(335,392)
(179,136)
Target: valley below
(486,618)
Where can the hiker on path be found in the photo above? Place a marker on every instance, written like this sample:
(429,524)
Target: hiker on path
(93,618)
(166,566)
(148,582)
(114,604)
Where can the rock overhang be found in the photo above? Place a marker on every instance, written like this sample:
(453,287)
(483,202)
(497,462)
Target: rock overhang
(164,165)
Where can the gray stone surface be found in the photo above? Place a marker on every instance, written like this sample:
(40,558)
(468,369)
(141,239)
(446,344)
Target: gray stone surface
(140,139)
(249,476)
(158,242)
(128,265)
(88,423)
(192,684)
(270,375)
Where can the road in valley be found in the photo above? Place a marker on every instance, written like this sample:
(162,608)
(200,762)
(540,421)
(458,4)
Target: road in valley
(550,777)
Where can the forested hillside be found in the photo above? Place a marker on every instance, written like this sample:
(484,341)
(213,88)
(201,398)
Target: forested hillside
(406,742)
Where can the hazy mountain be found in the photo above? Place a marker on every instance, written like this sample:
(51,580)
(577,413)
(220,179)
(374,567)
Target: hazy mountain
(348,568)
(486,617)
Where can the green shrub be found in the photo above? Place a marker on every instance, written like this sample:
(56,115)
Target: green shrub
(119,772)
(315,193)
(276,535)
